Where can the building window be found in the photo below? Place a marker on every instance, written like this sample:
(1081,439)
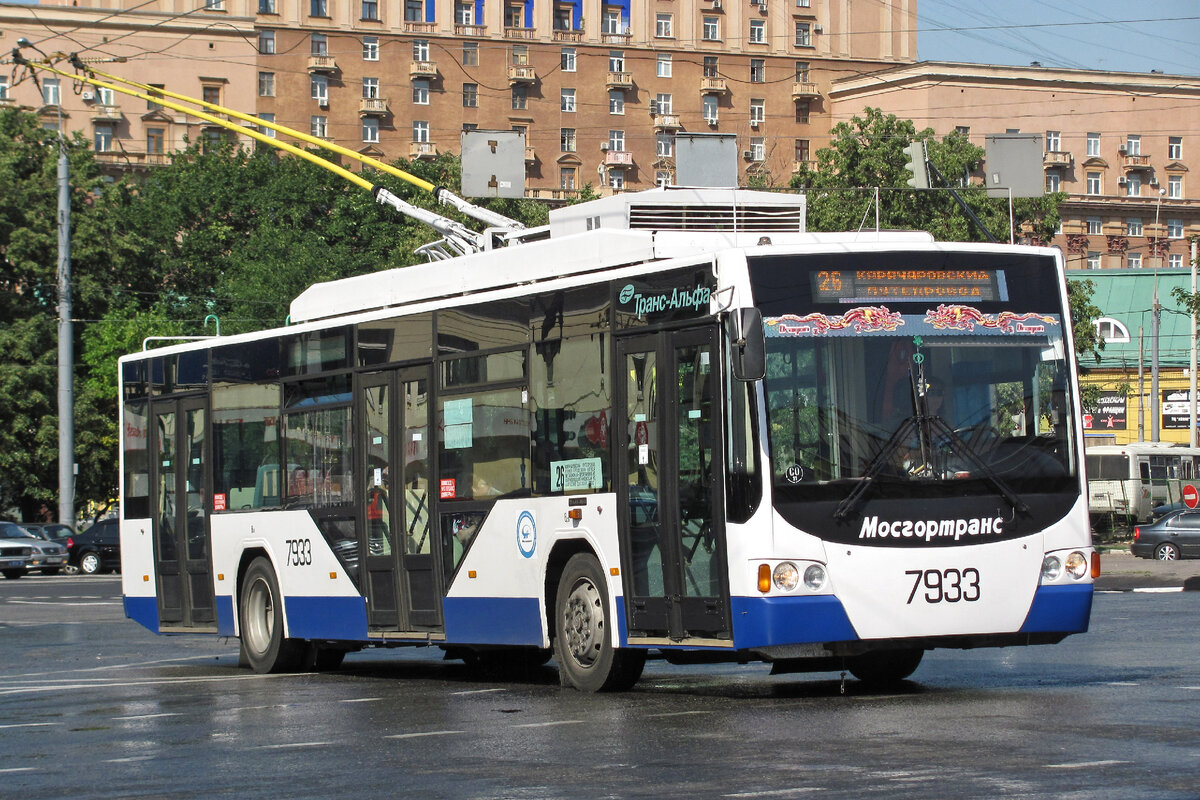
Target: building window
(470,54)
(420,49)
(318,126)
(318,8)
(153,91)
(803,150)
(616,102)
(320,89)
(710,66)
(664,145)
(1175,187)
(1093,183)
(616,61)
(370,12)
(464,13)
(663,26)
(1094,226)
(562,18)
(758,112)
(1174,229)
(758,70)
(370,88)
(1133,145)
(1093,260)
(370,129)
(520,96)
(566,100)
(520,55)
(1133,226)
(616,141)
(156,140)
(420,129)
(567,61)
(803,34)
(1175,260)
(802,3)
(1175,147)
(1133,184)
(566,178)
(470,95)
(266,42)
(370,48)
(610,21)
(414,10)
(963,131)
(758,31)
(214,5)
(1052,181)
(710,109)
(513,16)
(803,72)
(758,148)
(104,137)
(266,6)
(470,126)
(803,109)
(209,94)
(662,65)
(1053,141)
(662,178)
(263,129)
(711,32)
(318,45)
(566,140)
(616,179)
(420,93)
(266,84)
(1093,144)
(1133,260)
(664,102)
(1111,330)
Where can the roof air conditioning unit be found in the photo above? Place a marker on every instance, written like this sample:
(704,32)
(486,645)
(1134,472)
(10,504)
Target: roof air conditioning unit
(87,95)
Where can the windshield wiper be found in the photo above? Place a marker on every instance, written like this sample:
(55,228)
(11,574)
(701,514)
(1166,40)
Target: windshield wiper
(961,448)
(877,463)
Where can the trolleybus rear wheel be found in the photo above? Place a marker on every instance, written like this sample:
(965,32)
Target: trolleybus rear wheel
(583,646)
(263,643)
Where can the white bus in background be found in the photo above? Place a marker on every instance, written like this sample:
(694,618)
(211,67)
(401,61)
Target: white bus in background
(1132,479)
(676,424)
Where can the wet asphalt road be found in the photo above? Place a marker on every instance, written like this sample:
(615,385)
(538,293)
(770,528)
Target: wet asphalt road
(92,705)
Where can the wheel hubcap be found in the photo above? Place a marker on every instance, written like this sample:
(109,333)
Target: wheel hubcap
(260,617)
(583,623)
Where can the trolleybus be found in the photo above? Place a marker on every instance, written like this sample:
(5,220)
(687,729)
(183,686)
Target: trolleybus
(672,423)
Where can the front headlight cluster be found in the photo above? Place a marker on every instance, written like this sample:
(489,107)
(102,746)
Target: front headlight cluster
(786,576)
(1075,565)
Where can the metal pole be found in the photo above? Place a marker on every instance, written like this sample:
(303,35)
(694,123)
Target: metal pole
(1192,363)
(66,347)
(1155,317)
(1141,386)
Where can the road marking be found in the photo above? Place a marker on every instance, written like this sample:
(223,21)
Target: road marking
(1159,589)
(30,724)
(777,792)
(1120,683)
(148,716)
(477,691)
(362,700)
(419,735)
(1085,764)
(16,769)
(290,744)
(551,724)
(128,759)
(54,686)
(676,714)
(89,603)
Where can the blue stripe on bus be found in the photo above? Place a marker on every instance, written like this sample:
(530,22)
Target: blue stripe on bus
(225,615)
(143,611)
(493,620)
(327,618)
(765,621)
(1060,609)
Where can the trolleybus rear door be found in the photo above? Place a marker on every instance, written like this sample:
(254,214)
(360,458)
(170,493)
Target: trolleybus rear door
(670,478)
(181,537)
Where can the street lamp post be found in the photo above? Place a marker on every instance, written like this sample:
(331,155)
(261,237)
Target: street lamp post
(1155,320)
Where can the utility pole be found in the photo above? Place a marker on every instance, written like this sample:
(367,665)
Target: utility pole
(1192,364)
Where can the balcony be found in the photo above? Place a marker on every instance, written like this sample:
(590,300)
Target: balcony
(713,86)
(422,150)
(1056,158)
(1135,162)
(373,107)
(552,194)
(616,38)
(530,155)
(620,80)
(470,30)
(805,90)
(106,113)
(667,122)
(521,73)
(802,163)
(618,158)
(567,36)
(422,69)
(322,64)
(519,33)
(412,26)
(130,159)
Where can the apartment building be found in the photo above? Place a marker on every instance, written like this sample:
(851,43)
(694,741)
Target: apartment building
(1119,144)
(600,89)
(203,52)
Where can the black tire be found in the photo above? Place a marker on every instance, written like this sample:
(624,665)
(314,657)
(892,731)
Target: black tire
(1166,552)
(260,613)
(52,571)
(323,659)
(884,668)
(582,639)
(89,563)
(13,574)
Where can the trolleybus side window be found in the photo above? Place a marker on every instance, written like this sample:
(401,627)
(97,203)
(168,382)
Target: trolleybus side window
(394,340)
(135,422)
(245,419)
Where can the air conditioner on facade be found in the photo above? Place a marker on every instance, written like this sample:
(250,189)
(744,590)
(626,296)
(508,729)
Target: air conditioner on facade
(87,95)
(754,123)
(747,154)
(653,107)
(818,29)
(604,147)
(717,5)
(1122,181)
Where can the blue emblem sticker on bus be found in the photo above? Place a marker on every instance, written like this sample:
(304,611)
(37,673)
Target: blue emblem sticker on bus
(526,534)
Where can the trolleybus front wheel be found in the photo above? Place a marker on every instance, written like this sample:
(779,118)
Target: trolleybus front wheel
(583,646)
(884,667)
(263,644)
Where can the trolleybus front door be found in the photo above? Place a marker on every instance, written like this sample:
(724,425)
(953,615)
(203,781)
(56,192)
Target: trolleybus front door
(395,544)
(670,480)
(181,537)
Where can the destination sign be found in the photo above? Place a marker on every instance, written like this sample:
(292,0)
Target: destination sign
(871,285)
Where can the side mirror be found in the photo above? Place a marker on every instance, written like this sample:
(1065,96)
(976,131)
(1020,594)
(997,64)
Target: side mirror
(748,345)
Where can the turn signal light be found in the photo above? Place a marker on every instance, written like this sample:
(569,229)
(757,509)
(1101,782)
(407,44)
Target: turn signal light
(1095,565)
(764,578)
(575,514)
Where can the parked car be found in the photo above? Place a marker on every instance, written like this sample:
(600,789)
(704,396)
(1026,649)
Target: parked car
(98,549)
(15,550)
(50,531)
(46,556)
(1177,535)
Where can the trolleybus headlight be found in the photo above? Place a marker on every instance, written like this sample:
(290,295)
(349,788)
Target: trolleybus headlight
(1051,568)
(1077,565)
(814,577)
(786,576)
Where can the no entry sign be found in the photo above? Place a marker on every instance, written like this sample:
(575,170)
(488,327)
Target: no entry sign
(1190,496)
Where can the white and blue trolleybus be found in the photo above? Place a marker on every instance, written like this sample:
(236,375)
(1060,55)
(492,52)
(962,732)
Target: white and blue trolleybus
(669,422)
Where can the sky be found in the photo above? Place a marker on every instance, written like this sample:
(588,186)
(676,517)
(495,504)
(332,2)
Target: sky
(1081,34)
